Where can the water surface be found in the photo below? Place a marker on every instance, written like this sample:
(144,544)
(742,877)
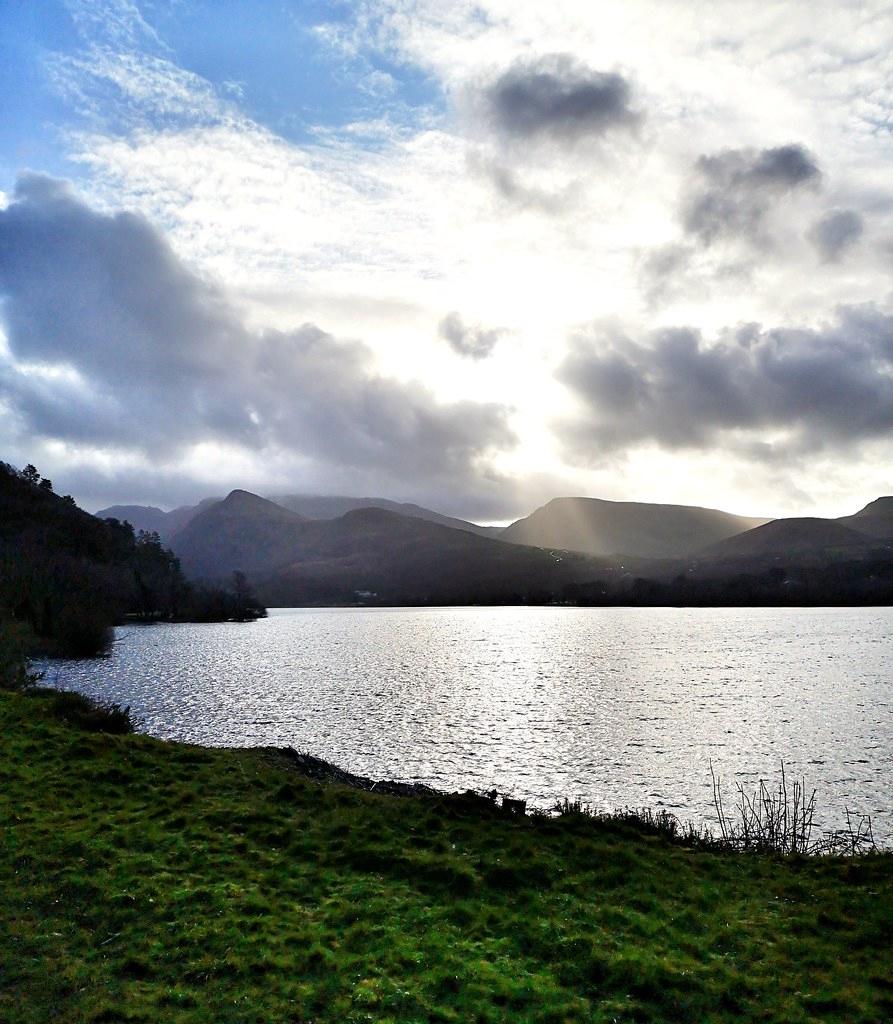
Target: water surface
(614,706)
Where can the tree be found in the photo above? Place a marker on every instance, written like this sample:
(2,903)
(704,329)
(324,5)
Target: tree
(160,584)
(246,605)
(30,475)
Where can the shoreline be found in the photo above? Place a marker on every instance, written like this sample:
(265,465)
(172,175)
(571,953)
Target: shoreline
(703,834)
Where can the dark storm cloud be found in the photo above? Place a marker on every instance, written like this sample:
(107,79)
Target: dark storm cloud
(473,342)
(819,387)
(115,342)
(323,394)
(733,191)
(150,349)
(556,98)
(835,233)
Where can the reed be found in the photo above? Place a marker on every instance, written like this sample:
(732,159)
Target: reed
(777,819)
(781,819)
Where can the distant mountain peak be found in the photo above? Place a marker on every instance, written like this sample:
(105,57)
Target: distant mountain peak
(239,497)
(882,506)
(876,519)
(246,502)
(600,527)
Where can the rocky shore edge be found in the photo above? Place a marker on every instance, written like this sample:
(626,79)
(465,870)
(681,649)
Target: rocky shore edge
(319,770)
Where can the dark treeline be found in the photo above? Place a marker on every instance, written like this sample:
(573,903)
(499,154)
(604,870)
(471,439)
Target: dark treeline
(857,582)
(66,577)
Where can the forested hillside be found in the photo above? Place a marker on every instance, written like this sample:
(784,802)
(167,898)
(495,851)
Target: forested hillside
(66,576)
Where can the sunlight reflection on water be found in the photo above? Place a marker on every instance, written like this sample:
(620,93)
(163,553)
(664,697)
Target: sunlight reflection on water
(616,706)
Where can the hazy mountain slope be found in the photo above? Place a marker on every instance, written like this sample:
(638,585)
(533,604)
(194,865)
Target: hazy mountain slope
(140,517)
(601,527)
(310,506)
(876,519)
(321,506)
(404,558)
(792,538)
(243,532)
(156,520)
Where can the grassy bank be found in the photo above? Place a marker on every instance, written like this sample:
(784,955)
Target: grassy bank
(146,881)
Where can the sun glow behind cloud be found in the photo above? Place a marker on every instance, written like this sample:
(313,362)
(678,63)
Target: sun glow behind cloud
(529,169)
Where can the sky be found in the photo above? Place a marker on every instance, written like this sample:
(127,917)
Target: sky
(473,255)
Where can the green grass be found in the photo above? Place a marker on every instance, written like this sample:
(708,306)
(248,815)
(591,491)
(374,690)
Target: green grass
(147,881)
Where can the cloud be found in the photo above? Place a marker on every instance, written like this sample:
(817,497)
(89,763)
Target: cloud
(117,344)
(471,341)
(734,191)
(136,90)
(766,393)
(152,353)
(323,396)
(835,233)
(522,194)
(118,21)
(535,129)
(556,98)
(665,272)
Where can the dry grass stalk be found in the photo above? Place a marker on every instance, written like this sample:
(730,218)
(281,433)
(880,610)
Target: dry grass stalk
(781,820)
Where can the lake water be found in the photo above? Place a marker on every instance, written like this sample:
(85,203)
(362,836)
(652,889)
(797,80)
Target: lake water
(618,706)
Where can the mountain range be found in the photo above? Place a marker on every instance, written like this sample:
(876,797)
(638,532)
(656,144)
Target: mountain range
(310,506)
(372,551)
(306,549)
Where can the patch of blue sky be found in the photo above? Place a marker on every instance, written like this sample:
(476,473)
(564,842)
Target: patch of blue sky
(31,111)
(274,63)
